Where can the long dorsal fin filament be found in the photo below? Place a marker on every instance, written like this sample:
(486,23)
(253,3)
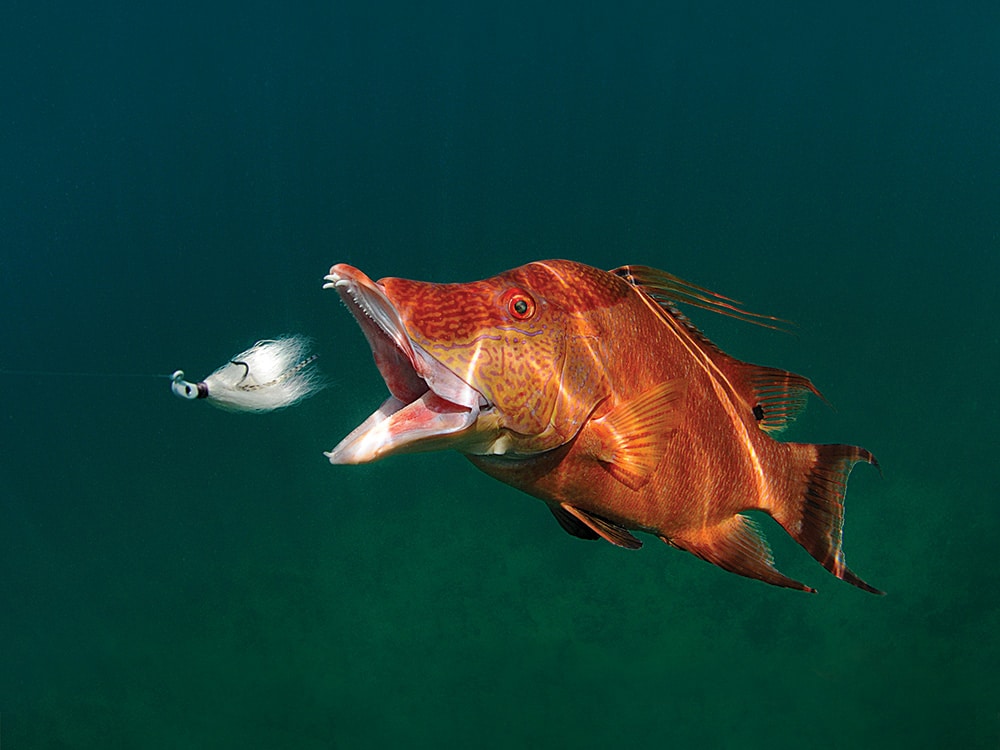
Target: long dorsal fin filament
(669,290)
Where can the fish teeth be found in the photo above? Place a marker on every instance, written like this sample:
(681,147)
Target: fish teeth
(359,302)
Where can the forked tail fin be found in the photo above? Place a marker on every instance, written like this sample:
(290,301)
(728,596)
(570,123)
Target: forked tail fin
(815,516)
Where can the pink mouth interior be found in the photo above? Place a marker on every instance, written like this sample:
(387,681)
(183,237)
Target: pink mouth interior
(395,365)
(403,381)
(416,416)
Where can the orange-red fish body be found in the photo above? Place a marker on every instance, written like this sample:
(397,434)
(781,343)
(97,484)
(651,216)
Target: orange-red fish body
(589,390)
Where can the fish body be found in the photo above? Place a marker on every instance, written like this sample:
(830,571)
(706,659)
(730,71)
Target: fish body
(591,391)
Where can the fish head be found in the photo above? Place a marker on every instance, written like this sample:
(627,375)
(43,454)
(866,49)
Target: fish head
(510,365)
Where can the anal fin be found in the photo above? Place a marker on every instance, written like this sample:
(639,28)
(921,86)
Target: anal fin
(632,435)
(611,532)
(737,546)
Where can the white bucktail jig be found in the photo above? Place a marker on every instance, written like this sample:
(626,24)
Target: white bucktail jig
(271,374)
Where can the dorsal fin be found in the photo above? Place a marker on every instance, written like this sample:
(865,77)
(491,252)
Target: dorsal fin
(775,396)
(778,396)
(668,291)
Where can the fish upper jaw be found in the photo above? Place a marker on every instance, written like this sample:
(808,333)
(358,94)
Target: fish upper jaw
(430,407)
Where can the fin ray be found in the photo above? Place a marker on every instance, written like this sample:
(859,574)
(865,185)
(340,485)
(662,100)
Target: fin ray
(780,395)
(632,434)
(668,290)
(737,546)
(573,525)
(612,532)
(815,519)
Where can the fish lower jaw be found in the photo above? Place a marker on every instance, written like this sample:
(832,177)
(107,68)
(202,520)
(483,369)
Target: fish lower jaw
(428,423)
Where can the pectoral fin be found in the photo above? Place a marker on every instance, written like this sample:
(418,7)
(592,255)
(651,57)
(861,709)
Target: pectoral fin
(631,437)
(607,530)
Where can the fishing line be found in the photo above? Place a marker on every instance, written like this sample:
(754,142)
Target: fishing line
(72,374)
(271,374)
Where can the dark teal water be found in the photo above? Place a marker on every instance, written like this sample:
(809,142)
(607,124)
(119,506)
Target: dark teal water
(176,179)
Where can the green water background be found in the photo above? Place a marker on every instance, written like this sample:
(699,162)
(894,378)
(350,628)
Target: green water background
(176,180)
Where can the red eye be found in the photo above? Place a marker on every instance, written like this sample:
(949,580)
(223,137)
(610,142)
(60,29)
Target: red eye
(519,304)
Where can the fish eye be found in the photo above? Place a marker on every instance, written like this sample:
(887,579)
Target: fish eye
(519,304)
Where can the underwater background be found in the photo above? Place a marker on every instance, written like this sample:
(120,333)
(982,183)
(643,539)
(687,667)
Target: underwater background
(176,180)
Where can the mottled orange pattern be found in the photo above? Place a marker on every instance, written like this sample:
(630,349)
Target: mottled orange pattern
(622,417)
(519,365)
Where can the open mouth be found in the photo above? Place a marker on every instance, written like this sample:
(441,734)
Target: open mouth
(429,406)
